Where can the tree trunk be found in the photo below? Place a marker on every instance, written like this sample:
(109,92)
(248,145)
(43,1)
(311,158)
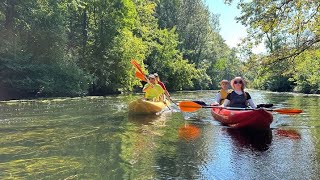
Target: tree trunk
(10,13)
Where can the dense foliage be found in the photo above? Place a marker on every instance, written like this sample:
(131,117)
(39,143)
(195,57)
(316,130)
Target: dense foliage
(290,31)
(84,47)
(72,47)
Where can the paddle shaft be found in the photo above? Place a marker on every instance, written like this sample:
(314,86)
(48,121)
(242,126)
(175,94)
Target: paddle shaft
(189,106)
(140,74)
(258,105)
(230,108)
(274,110)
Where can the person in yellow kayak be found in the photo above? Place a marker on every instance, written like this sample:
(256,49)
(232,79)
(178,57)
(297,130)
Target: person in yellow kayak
(238,97)
(222,94)
(152,90)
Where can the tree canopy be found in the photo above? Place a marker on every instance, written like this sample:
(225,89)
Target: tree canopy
(290,31)
(72,48)
(83,47)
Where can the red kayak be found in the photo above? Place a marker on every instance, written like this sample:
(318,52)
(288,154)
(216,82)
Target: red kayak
(255,119)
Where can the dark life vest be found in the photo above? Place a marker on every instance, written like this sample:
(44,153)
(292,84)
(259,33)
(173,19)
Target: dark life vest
(237,100)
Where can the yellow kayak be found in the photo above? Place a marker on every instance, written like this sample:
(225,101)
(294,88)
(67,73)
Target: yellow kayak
(142,106)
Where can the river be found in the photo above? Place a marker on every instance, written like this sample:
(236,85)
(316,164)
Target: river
(96,138)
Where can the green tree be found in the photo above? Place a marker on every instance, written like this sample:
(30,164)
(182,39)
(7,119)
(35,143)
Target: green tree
(163,55)
(100,30)
(168,13)
(166,60)
(201,43)
(306,72)
(290,31)
(295,21)
(32,53)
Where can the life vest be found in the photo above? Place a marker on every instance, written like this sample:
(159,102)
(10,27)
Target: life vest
(237,100)
(224,95)
(154,93)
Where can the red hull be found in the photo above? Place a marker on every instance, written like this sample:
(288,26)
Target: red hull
(257,119)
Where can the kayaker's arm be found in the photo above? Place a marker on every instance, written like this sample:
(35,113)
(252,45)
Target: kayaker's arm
(251,103)
(225,103)
(218,99)
(145,89)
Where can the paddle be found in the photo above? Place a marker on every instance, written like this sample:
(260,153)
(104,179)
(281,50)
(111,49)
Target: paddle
(258,106)
(137,66)
(139,74)
(172,101)
(189,106)
(142,77)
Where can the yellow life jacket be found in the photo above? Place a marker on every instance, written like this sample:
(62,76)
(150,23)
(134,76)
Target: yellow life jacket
(155,93)
(224,95)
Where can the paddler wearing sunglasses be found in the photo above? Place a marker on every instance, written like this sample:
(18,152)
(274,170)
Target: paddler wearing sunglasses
(152,90)
(238,97)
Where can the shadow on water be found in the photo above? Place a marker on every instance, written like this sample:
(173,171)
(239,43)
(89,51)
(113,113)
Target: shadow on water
(258,140)
(147,119)
(143,119)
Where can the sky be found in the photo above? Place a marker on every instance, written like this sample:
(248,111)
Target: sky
(230,30)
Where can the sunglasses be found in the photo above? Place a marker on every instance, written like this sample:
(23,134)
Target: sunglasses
(236,82)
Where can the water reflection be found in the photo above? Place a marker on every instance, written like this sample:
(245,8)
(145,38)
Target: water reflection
(95,138)
(147,119)
(288,133)
(189,132)
(259,140)
(143,119)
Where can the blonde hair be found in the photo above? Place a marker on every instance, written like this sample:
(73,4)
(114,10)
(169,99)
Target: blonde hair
(156,76)
(242,86)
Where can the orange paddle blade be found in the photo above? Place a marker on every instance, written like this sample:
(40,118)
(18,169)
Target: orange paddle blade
(288,111)
(141,76)
(137,65)
(189,106)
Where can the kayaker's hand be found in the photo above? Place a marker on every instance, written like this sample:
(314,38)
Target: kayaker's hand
(215,104)
(264,105)
(150,85)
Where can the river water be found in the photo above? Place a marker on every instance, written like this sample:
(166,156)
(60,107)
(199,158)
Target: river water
(96,138)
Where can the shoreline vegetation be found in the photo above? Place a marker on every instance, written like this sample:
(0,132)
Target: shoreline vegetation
(84,48)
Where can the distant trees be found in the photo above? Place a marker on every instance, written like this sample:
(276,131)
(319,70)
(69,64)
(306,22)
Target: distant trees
(72,47)
(200,41)
(80,47)
(291,33)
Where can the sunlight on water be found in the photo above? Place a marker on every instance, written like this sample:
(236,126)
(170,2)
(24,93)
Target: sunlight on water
(95,138)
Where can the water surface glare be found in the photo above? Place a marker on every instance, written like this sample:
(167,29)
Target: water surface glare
(96,138)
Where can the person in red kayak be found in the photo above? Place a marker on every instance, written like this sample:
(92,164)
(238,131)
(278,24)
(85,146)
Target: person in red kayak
(223,93)
(238,97)
(161,84)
